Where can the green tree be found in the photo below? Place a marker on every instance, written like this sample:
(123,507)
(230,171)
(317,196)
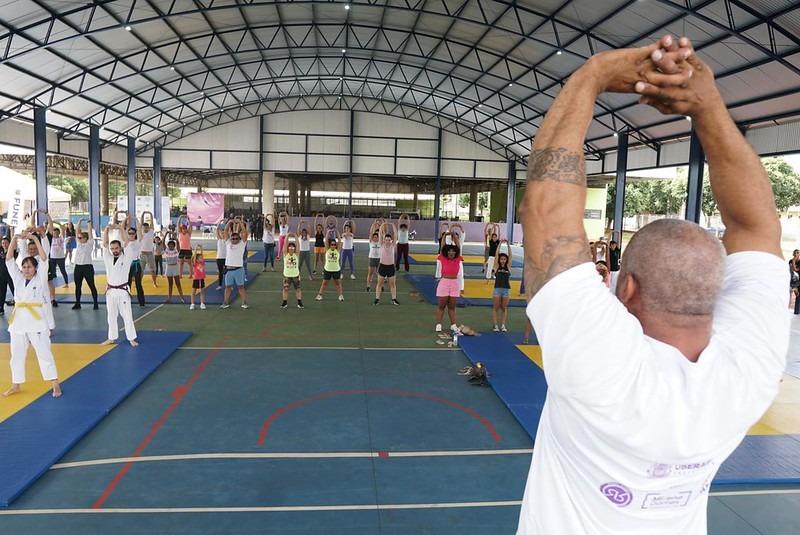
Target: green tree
(463,200)
(78,188)
(483,200)
(785,183)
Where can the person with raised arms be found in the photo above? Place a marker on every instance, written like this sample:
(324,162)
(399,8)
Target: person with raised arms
(652,388)
(501,295)
(283,231)
(133,250)
(291,271)
(30,324)
(118,300)
(235,235)
(403,247)
(348,247)
(450,273)
(374,255)
(305,249)
(147,236)
(332,270)
(386,269)
(83,266)
(184,243)
(268,237)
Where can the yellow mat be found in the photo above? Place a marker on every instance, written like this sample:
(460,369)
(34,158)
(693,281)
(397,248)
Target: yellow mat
(147,283)
(70,358)
(782,418)
(482,289)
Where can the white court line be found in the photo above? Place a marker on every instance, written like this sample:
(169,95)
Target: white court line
(148,313)
(272,509)
(293,455)
(311,508)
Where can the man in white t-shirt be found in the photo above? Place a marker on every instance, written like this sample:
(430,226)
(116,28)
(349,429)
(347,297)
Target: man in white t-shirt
(147,255)
(650,390)
(235,266)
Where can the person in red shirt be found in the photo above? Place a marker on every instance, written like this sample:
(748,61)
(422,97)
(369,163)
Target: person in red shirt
(198,277)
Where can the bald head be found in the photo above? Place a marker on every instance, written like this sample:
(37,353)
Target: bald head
(678,268)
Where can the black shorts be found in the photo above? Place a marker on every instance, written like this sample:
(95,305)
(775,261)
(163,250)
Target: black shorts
(198,284)
(291,281)
(328,275)
(186,254)
(385,270)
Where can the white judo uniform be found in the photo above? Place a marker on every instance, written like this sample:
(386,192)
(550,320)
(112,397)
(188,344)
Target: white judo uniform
(30,323)
(118,300)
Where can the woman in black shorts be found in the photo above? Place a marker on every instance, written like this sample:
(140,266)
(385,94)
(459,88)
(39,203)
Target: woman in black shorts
(386,268)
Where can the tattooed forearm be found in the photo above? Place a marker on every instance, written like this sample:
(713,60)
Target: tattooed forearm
(558,165)
(558,254)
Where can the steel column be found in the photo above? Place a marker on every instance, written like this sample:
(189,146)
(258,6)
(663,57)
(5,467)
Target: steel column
(262,123)
(157,185)
(94,177)
(350,166)
(694,184)
(40,162)
(131,178)
(511,200)
(438,187)
(619,185)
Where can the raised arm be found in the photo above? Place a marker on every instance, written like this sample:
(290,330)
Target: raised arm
(50,225)
(555,197)
(39,247)
(739,182)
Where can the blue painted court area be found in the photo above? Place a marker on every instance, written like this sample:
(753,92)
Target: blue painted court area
(388,438)
(38,435)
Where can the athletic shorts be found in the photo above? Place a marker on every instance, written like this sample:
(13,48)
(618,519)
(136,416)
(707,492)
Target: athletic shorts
(319,250)
(291,281)
(374,262)
(186,254)
(198,284)
(501,292)
(149,260)
(448,288)
(385,270)
(234,276)
(328,275)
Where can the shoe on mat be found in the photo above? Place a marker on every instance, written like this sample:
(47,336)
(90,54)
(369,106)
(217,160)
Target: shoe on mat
(284,304)
(300,305)
(245,306)
(76,306)
(503,328)
(202,306)
(191,307)
(438,328)
(341,298)
(496,329)
(318,297)
(395,302)
(377,302)
(223,305)
(353,276)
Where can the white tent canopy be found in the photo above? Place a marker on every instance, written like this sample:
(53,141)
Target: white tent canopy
(10,180)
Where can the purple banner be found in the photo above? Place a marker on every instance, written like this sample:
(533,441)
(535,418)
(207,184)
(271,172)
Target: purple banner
(206,207)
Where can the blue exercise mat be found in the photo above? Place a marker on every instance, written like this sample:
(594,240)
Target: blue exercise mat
(35,438)
(521,385)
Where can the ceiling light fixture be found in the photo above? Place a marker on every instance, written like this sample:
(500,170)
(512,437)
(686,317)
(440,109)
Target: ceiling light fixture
(347,7)
(558,53)
(171,68)
(616,135)
(344,51)
(510,84)
(128,28)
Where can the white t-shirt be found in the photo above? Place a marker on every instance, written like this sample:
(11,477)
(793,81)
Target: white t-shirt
(57,250)
(402,236)
(268,236)
(305,244)
(222,248)
(83,253)
(632,432)
(283,230)
(147,244)
(374,249)
(347,241)
(133,249)
(234,253)
(601,253)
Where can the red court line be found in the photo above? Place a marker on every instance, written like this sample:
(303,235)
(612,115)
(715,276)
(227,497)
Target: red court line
(262,436)
(178,394)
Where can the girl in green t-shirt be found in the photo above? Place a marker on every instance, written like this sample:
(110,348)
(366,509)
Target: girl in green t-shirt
(332,269)
(291,271)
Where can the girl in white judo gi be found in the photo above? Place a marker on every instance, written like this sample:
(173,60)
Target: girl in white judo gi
(32,319)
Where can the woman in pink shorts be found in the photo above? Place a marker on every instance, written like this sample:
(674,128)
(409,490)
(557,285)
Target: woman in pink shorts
(450,272)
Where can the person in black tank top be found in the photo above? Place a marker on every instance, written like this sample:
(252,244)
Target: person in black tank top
(502,286)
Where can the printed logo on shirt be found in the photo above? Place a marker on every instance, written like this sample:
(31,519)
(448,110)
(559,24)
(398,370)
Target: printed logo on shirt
(666,500)
(617,494)
(659,470)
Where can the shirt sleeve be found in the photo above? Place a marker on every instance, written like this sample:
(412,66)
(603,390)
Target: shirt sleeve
(438,274)
(590,342)
(751,317)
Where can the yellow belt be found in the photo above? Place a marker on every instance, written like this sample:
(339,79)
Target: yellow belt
(30,307)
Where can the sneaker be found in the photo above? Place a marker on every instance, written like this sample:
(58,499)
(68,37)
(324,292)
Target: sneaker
(454,329)
(191,307)
(264,270)
(95,307)
(438,328)
(503,328)
(219,287)
(284,304)
(353,276)
(55,303)
(395,302)
(300,305)
(496,329)
(76,306)
(223,305)
(245,306)
(341,298)
(377,302)
(318,297)
(367,289)
(202,306)
(314,272)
